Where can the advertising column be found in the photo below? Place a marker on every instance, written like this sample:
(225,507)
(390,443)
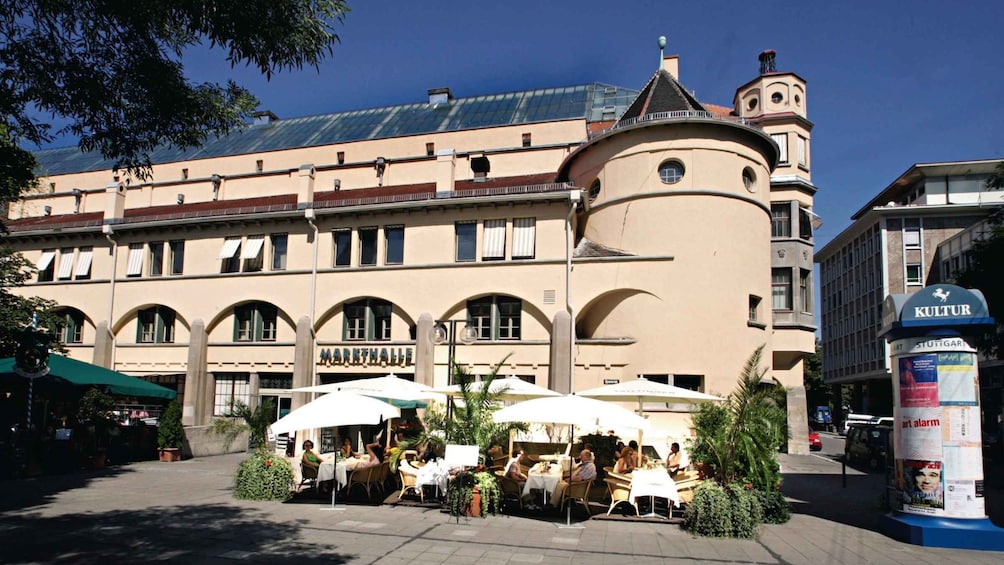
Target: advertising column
(937,437)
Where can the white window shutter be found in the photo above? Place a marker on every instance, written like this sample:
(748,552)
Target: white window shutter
(84,263)
(45,260)
(135,266)
(65,265)
(494,245)
(253,247)
(230,246)
(524,236)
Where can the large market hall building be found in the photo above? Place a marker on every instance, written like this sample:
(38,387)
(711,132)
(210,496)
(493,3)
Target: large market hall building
(590,234)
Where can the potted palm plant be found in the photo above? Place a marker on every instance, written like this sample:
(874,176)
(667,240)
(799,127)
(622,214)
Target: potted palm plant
(95,412)
(170,433)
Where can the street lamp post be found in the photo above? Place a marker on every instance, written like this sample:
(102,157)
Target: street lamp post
(445,331)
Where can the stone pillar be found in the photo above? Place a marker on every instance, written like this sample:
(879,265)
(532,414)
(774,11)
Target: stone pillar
(195,376)
(425,351)
(798,421)
(303,361)
(104,343)
(559,375)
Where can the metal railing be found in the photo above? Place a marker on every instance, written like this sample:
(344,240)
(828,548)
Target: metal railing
(433,195)
(239,211)
(675,115)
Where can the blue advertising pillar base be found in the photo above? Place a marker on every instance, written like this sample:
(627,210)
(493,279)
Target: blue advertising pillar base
(934,531)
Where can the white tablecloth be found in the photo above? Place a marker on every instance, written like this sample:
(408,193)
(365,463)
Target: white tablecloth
(542,480)
(433,473)
(653,482)
(328,470)
(564,460)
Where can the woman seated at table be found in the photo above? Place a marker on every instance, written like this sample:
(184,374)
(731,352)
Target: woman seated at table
(346,450)
(512,468)
(375,451)
(309,457)
(627,462)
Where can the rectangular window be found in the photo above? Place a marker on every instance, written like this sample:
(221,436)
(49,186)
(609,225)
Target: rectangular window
(184,174)
(430,149)
(381,320)
(527,140)
(367,246)
(467,241)
(279,242)
(46,265)
(911,234)
(805,289)
(244,323)
(781,289)
(177,257)
(343,247)
(394,241)
(524,238)
(804,224)
(259,166)
(156,258)
(147,329)
(231,389)
(253,253)
(265,324)
(780,219)
(135,265)
(84,257)
(65,263)
(914,274)
(494,240)
(355,321)
(230,255)
(479,315)
(781,139)
(509,318)
(689,382)
(754,308)
(74,330)
(341,157)
(803,152)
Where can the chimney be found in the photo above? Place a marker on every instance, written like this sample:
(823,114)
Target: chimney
(446,170)
(115,196)
(671,64)
(305,187)
(767,64)
(439,96)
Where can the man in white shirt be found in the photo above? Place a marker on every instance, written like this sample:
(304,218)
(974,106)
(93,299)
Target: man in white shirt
(586,471)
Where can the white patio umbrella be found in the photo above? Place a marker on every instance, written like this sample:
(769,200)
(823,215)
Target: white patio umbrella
(390,387)
(642,390)
(336,409)
(509,389)
(577,411)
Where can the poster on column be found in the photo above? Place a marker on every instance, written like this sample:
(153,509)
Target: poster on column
(918,381)
(923,487)
(958,384)
(920,434)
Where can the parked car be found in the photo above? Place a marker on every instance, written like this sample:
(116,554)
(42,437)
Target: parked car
(854,419)
(868,443)
(815,444)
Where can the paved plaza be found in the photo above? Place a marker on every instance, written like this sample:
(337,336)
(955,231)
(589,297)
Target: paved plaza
(184,512)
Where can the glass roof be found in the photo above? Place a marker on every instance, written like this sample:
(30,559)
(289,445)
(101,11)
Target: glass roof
(592,102)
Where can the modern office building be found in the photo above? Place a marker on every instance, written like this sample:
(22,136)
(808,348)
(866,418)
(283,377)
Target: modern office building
(589,234)
(913,233)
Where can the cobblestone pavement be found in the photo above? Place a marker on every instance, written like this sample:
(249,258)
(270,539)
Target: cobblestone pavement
(154,511)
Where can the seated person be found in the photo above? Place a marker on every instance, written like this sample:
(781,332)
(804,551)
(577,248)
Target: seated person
(585,447)
(618,449)
(585,472)
(310,458)
(639,457)
(375,451)
(346,450)
(676,460)
(626,463)
(512,468)
(429,453)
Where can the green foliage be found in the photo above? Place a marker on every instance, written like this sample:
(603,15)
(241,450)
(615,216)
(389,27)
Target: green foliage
(241,418)
(113,72)
(738,441)
(460,493)
(603,448)
(985,272)
(170,432)
(472,422)
(732,511)
(432,432)
(16,311)
(776,509)
(264,476)
(95,407)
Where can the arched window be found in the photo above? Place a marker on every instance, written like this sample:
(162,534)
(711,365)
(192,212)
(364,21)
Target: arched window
(496,317)
(255,321)
(73,328)
(367,320)
(155,325)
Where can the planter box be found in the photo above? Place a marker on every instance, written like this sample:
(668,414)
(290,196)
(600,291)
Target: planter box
(169,454)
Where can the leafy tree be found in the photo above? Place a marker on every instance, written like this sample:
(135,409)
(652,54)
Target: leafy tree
(242,418)
(985,272)
(113,72)
(17,312)
(738,440)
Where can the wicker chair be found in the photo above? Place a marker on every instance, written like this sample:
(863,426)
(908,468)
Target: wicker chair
(364,477)
(620,492)
(686,484)
(577,491)
(308,476)
(511,489)
(408,483)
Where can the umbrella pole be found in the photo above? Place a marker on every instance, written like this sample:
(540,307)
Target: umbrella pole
(568,514)
(334,489)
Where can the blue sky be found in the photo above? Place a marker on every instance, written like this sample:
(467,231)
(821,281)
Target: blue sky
(890,84)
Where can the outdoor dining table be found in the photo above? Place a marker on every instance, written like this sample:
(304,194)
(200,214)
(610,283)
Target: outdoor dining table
(340,472)
(653,483)
(434,473)
(543,476)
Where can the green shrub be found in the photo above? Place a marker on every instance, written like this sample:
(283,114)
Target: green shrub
(776,509)
(460,493)
(264,476)
(170,432)
(732,511)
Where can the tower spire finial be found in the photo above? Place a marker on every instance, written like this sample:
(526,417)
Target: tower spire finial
(662,45)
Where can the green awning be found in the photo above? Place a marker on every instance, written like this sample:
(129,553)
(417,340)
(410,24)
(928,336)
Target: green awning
(85,374)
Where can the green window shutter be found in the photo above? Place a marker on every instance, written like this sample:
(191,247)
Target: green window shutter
(370,322)
(259,322)
(158,327)
(237,323)
(139,326)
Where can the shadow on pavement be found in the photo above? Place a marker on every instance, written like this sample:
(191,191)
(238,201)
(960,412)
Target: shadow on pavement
(207,533)
(824,496)
(18,494)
